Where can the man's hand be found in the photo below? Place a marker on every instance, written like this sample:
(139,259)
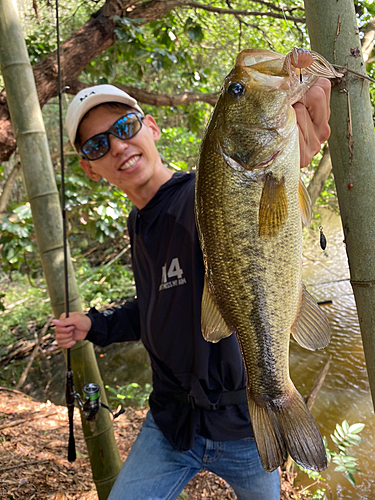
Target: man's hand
(69,330)
(312,114)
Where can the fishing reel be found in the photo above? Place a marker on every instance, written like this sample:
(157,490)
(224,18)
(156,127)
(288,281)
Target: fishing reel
(91,403)
(89,407)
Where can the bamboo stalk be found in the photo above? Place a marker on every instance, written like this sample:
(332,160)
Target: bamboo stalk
(44,200)
(334,34)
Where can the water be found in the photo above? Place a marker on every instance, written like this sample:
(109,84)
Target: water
(345,393)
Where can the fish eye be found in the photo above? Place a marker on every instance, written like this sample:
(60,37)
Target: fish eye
(236,89)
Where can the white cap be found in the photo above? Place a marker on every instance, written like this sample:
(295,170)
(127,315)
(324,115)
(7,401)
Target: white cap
(89,98)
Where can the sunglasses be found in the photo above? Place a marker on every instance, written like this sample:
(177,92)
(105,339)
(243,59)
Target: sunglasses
(124,128)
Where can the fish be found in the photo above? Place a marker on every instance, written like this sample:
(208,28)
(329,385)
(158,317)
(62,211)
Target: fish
(250,204)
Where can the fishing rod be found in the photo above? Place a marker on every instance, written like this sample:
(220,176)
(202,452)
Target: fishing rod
(91,403)
(69,383)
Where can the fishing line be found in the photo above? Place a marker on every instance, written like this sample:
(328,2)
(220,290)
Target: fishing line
(286,21)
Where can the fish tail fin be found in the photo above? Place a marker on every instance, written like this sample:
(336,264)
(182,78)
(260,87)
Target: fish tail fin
(286,426)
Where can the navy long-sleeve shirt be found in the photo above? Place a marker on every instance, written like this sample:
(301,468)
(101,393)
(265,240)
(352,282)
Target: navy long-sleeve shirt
(169,274)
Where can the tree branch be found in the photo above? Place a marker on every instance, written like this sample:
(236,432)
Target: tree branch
(42,332)
(310,401)
(8,186)
(321,174)
(26,464)
(219,10)
(368,41)
(277,8)
(152,99)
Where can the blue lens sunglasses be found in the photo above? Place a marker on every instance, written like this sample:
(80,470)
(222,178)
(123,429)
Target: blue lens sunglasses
(124,128)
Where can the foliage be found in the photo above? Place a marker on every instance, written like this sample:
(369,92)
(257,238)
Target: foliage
(99,286)
(130,395)
(344,437)
(21,304)
(104,284)
(179,148)
(96,211)
(17,243)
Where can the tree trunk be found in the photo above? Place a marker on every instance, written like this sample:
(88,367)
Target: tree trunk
(44,201)
(334,34)
(368,41)
(321,174)
(8,186)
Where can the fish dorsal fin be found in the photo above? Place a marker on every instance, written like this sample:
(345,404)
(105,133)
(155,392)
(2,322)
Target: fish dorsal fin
(311,328)
(273,207)
(213,325)
(304,203)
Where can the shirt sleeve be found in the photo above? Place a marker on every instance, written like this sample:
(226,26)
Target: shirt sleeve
(118,324)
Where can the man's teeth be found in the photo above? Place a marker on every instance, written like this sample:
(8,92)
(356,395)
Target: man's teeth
(133,160)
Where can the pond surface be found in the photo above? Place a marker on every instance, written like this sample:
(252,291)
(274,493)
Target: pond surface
(345,393)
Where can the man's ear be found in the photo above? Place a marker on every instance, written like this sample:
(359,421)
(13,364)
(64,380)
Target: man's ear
(89,171)
(150,122)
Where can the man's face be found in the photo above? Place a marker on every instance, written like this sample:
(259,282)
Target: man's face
(129,164)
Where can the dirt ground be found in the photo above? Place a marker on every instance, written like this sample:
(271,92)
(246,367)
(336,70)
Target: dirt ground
(33,450)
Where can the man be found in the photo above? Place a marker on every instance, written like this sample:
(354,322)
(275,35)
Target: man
(198,415)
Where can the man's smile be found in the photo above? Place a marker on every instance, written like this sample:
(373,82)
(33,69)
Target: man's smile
(130,162)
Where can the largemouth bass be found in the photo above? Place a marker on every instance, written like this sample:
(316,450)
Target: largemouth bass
(249,205)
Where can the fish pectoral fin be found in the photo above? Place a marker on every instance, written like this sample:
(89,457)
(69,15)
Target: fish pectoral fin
(273,207)
(285,426)
(311,328)
(304,204)
(213,325)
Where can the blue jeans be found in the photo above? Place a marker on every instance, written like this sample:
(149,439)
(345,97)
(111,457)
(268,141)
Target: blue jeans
(155,471)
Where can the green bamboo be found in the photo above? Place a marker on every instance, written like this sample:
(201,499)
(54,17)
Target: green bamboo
(334,33)
(44,200)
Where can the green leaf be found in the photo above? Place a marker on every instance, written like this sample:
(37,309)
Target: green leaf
(352,469)
(23,211)
(354,440)
(345,427)
(195,33)
(319,494)
(340,468)
(350,478)
(340,431)
(356,428)
(335,440)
